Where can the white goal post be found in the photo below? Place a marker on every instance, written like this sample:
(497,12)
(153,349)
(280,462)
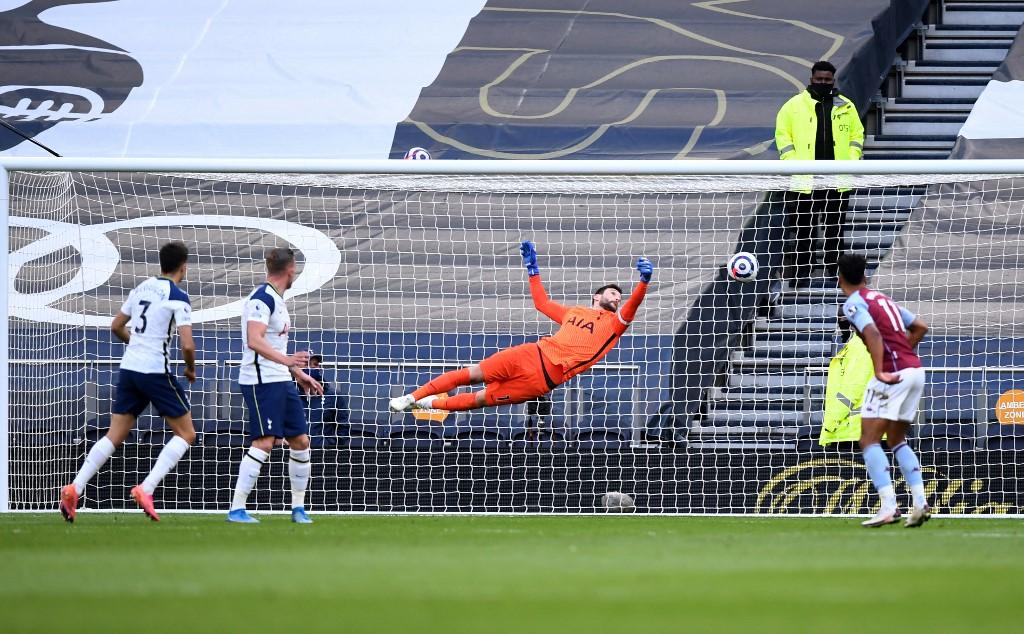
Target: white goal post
(713,402)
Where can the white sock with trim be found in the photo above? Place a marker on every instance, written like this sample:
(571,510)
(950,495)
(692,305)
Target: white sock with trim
(95,459)
(169,456)
(298,472)
(248,471)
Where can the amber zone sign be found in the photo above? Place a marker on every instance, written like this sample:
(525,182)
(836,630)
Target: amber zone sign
(432,415)
(1010,408)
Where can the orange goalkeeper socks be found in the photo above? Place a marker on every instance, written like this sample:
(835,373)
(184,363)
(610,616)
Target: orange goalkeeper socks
(459,402)
(443,384)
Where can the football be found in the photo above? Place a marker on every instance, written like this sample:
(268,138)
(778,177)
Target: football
(417,154)
(616,502)
(743,267)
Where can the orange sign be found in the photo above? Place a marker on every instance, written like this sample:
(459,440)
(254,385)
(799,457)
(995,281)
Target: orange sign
(1010,408)
(434,415)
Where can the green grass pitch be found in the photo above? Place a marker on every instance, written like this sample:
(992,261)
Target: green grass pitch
(195,573)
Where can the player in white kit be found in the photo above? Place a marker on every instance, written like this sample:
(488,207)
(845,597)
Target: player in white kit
(267,379)
(146,322)
(891,334)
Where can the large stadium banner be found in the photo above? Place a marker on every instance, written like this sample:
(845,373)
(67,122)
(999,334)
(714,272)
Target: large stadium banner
(317,79)
(659,79)
(462,78)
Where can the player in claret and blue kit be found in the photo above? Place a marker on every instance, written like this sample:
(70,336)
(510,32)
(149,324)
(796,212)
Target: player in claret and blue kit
(267,378)
(891,334)
(146,322)
(527,371)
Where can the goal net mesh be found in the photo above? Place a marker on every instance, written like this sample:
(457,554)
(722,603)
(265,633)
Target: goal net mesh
(713,402)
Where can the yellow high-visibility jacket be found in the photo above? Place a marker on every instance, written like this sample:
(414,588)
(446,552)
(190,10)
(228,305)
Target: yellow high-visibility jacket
(796,129)
(848,374)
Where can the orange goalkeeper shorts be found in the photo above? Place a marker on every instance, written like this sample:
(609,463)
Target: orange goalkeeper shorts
(518,374)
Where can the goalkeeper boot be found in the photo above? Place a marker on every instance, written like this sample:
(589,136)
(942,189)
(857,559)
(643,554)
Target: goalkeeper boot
(299,516)
(401,403)
(883,517)
(145,502)
(918,515)
(68,502)
(241,516)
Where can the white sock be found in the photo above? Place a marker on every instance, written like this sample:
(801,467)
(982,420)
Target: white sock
(169,456)
(248,471)
(888,495)
(298,472)
(917,492)
(427,402)
(98,455)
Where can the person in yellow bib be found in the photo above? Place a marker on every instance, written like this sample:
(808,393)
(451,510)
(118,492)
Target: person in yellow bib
(848,374)
(823,125)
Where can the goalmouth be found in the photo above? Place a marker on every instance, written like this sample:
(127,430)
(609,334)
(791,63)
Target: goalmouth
(712,403)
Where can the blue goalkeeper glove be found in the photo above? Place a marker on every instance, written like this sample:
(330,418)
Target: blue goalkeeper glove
(529,257)
(646,269)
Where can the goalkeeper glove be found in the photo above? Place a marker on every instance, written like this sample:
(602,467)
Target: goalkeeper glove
(529,257)
(646,269)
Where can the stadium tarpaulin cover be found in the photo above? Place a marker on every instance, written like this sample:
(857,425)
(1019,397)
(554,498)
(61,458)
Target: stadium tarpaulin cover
(995,127)
(653,79)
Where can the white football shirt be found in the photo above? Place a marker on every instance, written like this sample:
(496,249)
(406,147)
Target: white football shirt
(156,308)
(266,306)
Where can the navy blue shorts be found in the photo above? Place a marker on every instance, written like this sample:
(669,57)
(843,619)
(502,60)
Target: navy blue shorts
(136,390)
(275,409)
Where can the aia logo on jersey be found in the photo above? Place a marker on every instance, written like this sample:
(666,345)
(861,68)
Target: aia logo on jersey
(581,323)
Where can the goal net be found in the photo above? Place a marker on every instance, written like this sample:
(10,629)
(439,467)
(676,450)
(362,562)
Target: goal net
(714,401)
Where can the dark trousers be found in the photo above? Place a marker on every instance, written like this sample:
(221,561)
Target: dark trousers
(805,213)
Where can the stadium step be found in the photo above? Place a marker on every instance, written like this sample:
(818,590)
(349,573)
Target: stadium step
(791,381)
(804,349)
(754,418)
(702,438)
(741,362)
(829,293)
(927,124)
(975,13)
(943,86)
(748,400)
(787,393)
(868,240)
(764,338)
(929,106)
(809,312)
(967,50)
(910,155)
(958,68)
(910,142)
(972,31)
(796,325)
(896,205)
(873,228)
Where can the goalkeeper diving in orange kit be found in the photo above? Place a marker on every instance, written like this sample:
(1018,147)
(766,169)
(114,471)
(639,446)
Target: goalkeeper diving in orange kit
(527,371)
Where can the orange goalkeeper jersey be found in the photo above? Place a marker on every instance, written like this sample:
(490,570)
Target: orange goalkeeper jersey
(587,334)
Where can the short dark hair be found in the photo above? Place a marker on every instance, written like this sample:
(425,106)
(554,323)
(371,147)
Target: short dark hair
(823,65)
(172,256)
(851,267)
(278,260)
(316,357)
(606,287)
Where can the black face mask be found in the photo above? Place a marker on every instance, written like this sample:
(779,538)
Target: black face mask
(820,91)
